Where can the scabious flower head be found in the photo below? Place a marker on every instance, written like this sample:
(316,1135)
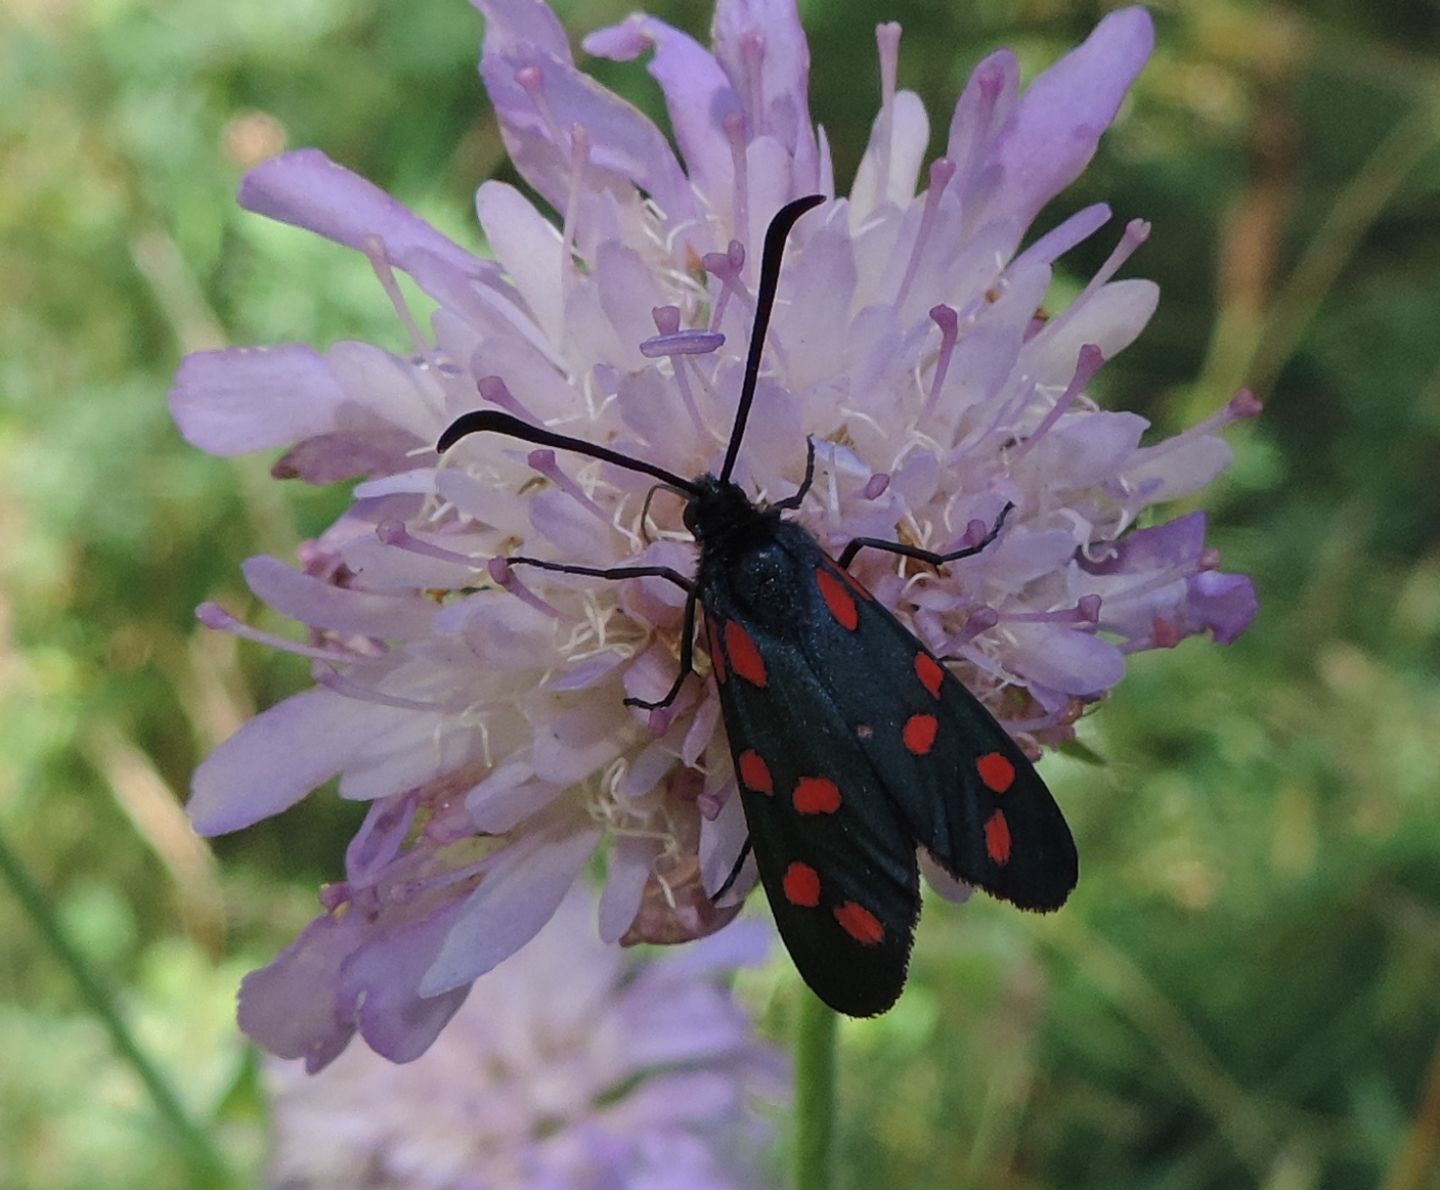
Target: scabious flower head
(567,1067)
(477,706)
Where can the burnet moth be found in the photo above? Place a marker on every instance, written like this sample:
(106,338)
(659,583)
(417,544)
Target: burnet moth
(853,744)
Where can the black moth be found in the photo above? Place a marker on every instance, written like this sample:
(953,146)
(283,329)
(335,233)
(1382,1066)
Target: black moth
(853,745)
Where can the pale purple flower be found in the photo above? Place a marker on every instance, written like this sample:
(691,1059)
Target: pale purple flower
(478,707)
(566,1067)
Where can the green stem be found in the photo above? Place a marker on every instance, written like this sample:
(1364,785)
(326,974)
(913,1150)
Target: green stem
(1334,243)
(1254,356)
(814,1095)
(206,1162)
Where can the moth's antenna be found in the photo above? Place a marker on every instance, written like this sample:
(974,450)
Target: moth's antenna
(492,421)
(764,303)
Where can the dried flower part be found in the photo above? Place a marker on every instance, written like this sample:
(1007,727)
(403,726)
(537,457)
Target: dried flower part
(478,705)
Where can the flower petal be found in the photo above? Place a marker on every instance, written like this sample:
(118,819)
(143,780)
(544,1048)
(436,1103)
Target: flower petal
(1063,236)
(898,140)
(698,96)
(952,888)
(631,859)
(574,742)
(381,980)
(520,22)
(276,759)
(405,748)
(816,291)
(1086,449)
(783,81)
(323,605)
(251,398)
(1111,319)
(721,841)
(1056,126)
(529,248)
(1063,659)
(306,189)
(379,838)
(519,891)
(347,454)
(1167,471)
(1159,547)
(1225,604)
(291,1007)
(981,111)
(621,140)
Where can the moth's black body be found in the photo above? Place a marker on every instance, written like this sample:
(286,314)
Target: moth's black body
(821,688)
(834,706)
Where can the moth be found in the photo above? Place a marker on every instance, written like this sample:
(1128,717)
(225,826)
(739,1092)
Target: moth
(853,744)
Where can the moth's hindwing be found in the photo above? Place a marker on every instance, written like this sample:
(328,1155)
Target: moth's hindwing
(852,745)
(962,787)
(838,866)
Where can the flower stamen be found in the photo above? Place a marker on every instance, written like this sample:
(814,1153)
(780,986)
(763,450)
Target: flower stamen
(733,125)
(1242,406)
(569,232)
(726,267)
(213,616)
(546,464)
(887,41)
(1137,231)
(942,170)
(675,344)
(948,321)
(531,80)
(503,575)
(332,679)
(497,392)
(1089,362)
(379,257)
(752,54)
(395,533)
(1085,611)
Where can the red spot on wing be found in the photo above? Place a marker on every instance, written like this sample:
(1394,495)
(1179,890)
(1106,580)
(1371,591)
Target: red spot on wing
(996,772)
(745,658)
(717,658)
(997,838)
(816,795)
(837,599)
(802,885)
(755,773)
(860,923)
(919,733)
(928,670)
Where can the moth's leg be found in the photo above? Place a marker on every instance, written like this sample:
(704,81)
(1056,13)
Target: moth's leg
(793,502)
(734,872)
(687,656)
(847,555)
(645,508)
(610,572)
(687,638)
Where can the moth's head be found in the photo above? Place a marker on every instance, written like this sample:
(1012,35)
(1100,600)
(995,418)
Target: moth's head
(718,507)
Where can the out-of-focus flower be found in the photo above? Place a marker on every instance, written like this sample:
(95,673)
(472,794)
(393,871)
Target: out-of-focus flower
(478,708)
(566,1067)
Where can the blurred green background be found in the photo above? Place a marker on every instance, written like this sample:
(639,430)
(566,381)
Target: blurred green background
(1243,992)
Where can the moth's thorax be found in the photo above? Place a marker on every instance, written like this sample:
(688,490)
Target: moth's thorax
(721,512)
(757,567)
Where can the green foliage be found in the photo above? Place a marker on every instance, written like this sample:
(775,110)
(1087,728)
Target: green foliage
(1242,992)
